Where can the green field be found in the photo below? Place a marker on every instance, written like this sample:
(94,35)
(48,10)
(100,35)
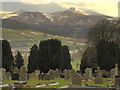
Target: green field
(30,38)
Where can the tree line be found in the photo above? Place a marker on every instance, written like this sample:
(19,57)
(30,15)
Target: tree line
(49,55)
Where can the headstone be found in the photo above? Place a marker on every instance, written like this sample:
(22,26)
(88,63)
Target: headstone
(47,76)
(15,70)
(76,79)
(88,72)
(23,73)
(32,75)
(37,72)
(3,74)
(114,71)
(41,76)
(66,74)
(7,74)
(85,77)
(72,72)
(98,71)
(51,72)
(98,78)
(56,73)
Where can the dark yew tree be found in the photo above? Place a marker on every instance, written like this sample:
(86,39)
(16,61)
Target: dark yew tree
(104,37)
(7,57)
(19,61)
(52,55)
(33,59)
(88,59)
(107,54)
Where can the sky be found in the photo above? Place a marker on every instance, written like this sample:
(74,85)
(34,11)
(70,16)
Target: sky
(107,7)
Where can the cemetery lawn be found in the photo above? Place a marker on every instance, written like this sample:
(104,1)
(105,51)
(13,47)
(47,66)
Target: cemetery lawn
(62,82)
(33,82)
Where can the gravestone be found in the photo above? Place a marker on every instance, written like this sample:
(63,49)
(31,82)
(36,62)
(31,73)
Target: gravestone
(41,76)
(47,76)
(85,77)
(114,71)
(3,74)
(37,72)
(98,71)
(32,75)
(15,70)
(7,74)
(66,74)
(72,72)
(76,79)
(88,72)
(23,73)
(56,74)
(98,78)
(51,72)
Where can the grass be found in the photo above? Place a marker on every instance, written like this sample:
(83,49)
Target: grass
(74,63)
(62,82)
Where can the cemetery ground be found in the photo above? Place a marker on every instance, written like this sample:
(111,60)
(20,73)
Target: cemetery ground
(34,81)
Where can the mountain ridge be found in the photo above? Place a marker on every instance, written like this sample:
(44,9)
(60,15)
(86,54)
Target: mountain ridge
(70,23)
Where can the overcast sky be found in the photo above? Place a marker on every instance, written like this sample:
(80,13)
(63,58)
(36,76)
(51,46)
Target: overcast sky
(108,7)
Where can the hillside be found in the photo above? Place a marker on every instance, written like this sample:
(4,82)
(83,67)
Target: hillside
(72,23)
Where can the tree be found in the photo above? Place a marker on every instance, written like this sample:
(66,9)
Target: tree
(52,55)
(33,59)
(19,60)
(7,57)
(88,59)
(104,37)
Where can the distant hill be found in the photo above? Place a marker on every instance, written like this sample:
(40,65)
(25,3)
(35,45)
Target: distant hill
(72,22)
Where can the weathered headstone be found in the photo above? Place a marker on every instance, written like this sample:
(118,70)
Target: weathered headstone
(88,72)
(15,70)
(32,75)
(56,73)
(66,74)
(51,72)
(23,73)
(3,74)
(7,74)
(37,72)
(76,79)
(47,76)
(114,71)
(72,72)
(98,78)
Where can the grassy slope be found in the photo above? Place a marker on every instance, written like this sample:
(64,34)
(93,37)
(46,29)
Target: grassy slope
(31,37)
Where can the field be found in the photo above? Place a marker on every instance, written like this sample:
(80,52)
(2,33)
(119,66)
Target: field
(29,37)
